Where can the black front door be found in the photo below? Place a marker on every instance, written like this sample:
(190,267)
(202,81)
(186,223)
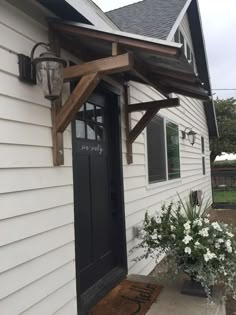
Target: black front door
(99,224)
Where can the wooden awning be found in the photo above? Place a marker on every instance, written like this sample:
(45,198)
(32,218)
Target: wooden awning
(125,57)
(158,63)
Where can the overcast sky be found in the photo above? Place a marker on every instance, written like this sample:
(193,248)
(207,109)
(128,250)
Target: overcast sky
(219,26)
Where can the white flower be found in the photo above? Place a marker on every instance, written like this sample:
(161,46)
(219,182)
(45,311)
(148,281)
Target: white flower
(163,212)
(208,256)
(220,241)
(230,234)
(172,228)
(159,237)
(216,226)
(187,226)
(173,236)
(197,244)
(197,222)
(222,257)
(154,237)
(228,246)
(204,232)
(188,250)
(217,245)
(187,239)
(206,220)
(158,219)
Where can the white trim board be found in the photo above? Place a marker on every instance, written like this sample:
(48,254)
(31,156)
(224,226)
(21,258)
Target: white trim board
(178,21)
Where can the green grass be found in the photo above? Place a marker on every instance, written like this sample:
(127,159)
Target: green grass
(224,196)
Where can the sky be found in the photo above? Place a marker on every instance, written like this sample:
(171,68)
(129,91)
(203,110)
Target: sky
(219,27)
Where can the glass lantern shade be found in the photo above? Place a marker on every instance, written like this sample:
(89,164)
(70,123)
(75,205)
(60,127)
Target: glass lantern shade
(49,74)
(191,137)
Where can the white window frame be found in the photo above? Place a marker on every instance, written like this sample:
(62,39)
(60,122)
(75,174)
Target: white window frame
(168,181)
(179,30)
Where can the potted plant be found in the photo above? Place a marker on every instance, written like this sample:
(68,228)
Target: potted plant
(205,250)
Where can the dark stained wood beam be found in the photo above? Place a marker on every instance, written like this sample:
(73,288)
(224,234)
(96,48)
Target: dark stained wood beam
(108,65)
(79,50)
(143,122)
(129,148)
(140,70)
(57,138)
(77,98)
(172,102)
(163,72)
(195,91)
(122,40)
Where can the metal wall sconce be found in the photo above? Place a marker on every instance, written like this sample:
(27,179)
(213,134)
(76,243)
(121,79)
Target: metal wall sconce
(46,70)
(190,134)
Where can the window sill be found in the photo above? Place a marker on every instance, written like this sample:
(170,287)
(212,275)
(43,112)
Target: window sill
(164,183)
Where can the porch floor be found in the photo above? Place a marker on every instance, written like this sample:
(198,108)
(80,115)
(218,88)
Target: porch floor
(172,302)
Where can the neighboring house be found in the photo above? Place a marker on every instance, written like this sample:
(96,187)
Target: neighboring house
(40,251)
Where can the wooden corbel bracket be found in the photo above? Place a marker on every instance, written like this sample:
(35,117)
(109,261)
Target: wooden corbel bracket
(151,109)
(90,74)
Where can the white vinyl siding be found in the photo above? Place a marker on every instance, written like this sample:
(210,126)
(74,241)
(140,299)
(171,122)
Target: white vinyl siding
(139,195)
(37,255)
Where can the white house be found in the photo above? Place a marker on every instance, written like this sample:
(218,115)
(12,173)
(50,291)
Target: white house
(78,175)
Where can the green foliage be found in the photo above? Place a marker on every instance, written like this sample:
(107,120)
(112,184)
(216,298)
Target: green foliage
(224,164)
(192,211)
(204,250)
(226,119)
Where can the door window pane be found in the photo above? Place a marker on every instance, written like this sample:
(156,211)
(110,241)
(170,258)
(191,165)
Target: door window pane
(100,133)
(99,114)
(80,114)
(90,111)
(156,150)
(80,129)
(172,135)
(91,134)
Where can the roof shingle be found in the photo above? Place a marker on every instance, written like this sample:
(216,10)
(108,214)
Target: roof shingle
(153,18)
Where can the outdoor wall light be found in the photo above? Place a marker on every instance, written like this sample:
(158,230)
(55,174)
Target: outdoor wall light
(190,134)
(47,68)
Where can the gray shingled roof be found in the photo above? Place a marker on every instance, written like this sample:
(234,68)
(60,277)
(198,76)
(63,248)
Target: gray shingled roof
(153,18)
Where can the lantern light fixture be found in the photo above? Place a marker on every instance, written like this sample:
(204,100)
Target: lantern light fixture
(190,134)
(49,71)
(46,70)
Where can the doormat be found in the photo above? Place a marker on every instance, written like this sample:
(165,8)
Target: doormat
(128,298)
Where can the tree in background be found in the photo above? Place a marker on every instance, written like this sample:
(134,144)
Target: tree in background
(226,119)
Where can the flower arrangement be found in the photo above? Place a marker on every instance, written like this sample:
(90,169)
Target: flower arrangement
(205,250)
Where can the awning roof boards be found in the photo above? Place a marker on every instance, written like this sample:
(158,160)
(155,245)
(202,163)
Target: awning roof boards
(158,63)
